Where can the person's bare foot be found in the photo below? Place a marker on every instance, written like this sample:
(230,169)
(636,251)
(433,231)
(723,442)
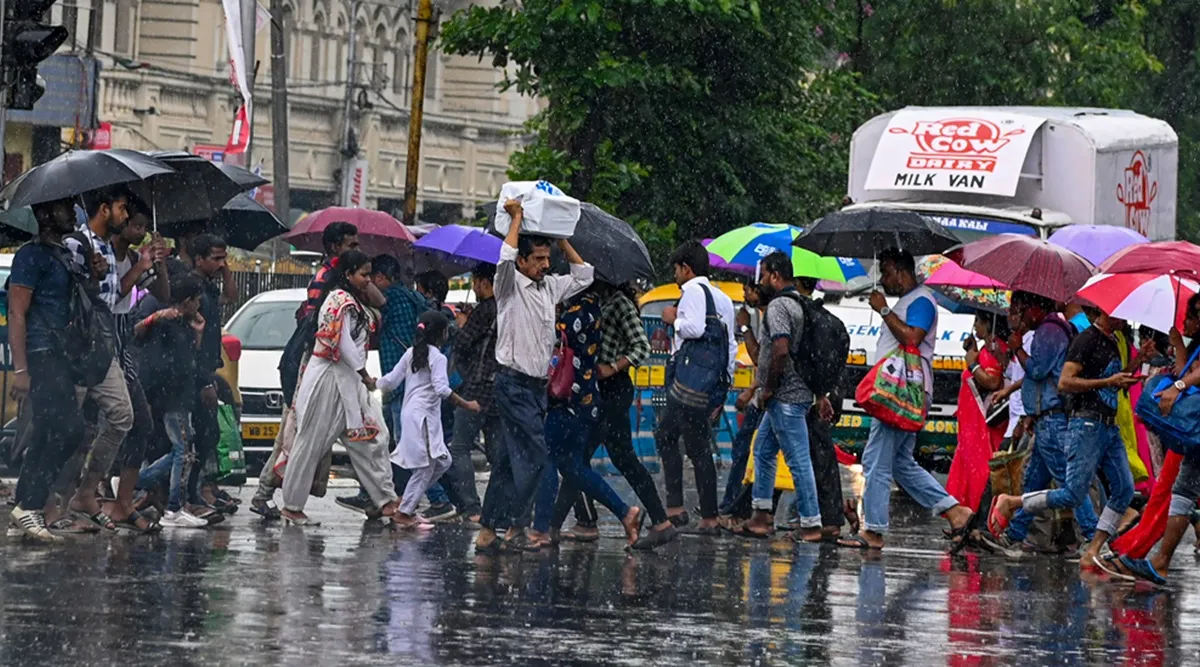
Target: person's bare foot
(761,524)
(486,538)
(1008,505)
(85,502)
(958,516)
(1127,520)
(1090,560)
(811,535)
(293,516)
(632,523)
(538,538)
(864,539)
(391,509)
(402,521)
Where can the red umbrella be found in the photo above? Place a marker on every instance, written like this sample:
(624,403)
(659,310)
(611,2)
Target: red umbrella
(1027,264)
(378,232)
(1157,258)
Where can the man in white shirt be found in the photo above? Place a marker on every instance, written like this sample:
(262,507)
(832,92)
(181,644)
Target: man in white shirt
(525,303)
(680,419)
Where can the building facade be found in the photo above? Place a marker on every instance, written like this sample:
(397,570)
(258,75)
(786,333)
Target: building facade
(164,84)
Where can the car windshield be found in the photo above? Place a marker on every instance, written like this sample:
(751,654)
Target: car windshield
(265,325)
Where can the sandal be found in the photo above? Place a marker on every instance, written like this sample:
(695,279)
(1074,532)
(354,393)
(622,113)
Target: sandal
(1109,565)
(414,525)
(1143,570)
(573,536)
(99,518)
(222,495)
(745,531)
(997,523)
(959,536)
(679,520)
(852,518)
(267,509)
(859,542)
(490,549)
(130,524)
(656,538)
(521,543)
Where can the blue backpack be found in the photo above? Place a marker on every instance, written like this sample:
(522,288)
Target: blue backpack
(699,371)
(1179,431)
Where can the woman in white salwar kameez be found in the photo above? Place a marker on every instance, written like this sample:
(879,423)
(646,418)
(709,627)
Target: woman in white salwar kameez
(422,448)
(334,402)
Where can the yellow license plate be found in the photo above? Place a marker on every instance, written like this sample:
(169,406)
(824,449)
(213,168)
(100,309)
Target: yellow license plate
(259,431)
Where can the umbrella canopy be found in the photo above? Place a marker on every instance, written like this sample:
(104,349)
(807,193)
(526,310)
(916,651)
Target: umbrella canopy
(378,232)
(76,172)
(1156,300)
(964,287)
(197,189)
(244,223)
(1026,263)
(748,245)
(865,233)
(1096,243)
(717,262)
(1158,258)
(246,179)
(471,245)
(607,243)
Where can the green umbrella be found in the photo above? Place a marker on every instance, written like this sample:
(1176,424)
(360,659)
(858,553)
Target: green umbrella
(747,245)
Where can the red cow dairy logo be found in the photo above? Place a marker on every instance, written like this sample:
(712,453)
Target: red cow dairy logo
(957,144)
(1138,193)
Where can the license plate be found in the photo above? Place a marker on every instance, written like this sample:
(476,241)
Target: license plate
(259,431)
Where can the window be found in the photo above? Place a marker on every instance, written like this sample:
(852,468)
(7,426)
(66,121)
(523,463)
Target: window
(315,48)
(123,27)
(400,51)
(265,325)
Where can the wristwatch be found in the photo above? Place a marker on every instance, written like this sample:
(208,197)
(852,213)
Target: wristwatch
(1179,386)
(885,311)
(743,329)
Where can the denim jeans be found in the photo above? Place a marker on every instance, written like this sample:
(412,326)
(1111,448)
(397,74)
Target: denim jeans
(740,454)
(461,477)
(173,466)
(1186,490)
(1048,463)
(785,427)
(568,438)
(1091,447)
(887,456)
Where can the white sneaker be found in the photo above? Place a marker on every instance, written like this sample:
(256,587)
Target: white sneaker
(182,519)
(31,524)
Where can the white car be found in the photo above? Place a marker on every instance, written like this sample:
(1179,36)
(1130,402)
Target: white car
(264,325)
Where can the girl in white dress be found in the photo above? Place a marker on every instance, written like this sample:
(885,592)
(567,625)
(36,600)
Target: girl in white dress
(422,448)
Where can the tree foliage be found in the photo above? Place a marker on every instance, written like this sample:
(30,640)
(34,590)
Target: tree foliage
(690,117)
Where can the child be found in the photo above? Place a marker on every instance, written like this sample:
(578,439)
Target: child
(168,345)
(422,449)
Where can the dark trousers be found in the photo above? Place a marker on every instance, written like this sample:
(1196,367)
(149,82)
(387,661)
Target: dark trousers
(517,470)
(740,454)
(133,449)
(692,425)
(460,479)
(57,428)
(207,431)
(615,433)
(825,470)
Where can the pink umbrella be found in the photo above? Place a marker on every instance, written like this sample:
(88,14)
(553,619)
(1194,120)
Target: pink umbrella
(950,274)
(378,232)
(1159,258)
(1027,264)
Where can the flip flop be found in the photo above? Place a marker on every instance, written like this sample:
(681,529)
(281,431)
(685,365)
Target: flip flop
(859,542)
(958,536)
(99,519)
(572,536)
(997,523)
(1107,565)
(744,531)
(1143,570)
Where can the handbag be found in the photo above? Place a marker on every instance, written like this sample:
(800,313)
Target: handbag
(562,370)
(231,459)
(1179,430)
(997,414)
(893,391)
(1007,468)
(699,370)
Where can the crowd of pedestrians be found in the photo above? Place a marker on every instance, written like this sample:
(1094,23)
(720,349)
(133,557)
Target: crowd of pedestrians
(122,396)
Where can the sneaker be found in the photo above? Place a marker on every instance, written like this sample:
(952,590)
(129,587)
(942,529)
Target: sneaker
(31,524)
(436,513)
(182,519)
(356,503)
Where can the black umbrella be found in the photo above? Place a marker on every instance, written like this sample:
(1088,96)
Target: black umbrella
(243,223)
(197,190)
(604,241)
(865,233)
(245,178)
(17,226)
(76,172)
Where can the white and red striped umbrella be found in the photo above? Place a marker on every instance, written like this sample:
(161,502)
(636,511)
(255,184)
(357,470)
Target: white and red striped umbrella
(1157,301)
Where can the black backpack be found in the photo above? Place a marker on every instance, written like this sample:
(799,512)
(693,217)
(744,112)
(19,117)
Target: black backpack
(824,346)
(88,338)
(297,346)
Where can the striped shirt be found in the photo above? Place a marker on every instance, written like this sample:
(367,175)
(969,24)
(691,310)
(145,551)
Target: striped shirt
(110,285)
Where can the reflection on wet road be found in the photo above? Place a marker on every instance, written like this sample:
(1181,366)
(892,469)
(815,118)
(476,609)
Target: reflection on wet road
(345,594)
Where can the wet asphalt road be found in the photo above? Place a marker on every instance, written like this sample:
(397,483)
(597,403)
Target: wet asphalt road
(346,594)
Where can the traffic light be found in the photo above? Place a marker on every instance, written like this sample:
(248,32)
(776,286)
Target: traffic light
(27,42)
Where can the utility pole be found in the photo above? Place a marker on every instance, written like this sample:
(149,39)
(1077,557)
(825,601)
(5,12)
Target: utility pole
(3,99)
(249,28)
(349,147)
(420,58)
(279,114)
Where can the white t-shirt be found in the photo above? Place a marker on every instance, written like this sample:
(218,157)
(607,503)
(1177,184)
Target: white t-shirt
(1012,375)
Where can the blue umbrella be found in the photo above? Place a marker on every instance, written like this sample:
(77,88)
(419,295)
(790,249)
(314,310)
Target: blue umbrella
(746,246)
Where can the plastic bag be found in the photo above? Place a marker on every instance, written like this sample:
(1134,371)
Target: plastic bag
(893,391)
(231,457)
(548,211)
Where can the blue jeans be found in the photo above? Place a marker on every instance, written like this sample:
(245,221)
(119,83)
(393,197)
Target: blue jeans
(436,494)
(174,465)
(1048,463)
(740,453)
(521,456)
(785,427)
(568,437)
(1091,446)
(887,456)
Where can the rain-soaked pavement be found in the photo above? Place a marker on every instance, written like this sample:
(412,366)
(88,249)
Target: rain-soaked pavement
(342,593)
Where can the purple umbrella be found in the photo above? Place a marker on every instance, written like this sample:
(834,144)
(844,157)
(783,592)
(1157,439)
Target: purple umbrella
(469,244)
(716,262)
(1096,243)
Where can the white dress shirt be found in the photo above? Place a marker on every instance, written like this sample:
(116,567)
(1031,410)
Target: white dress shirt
(525,314)
(689,320)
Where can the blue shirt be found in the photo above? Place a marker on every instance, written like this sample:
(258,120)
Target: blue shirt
(920,314)
(1048,353)
(1080,322)
(37,267)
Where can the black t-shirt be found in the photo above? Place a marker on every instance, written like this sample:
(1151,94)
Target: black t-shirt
(1096,352)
